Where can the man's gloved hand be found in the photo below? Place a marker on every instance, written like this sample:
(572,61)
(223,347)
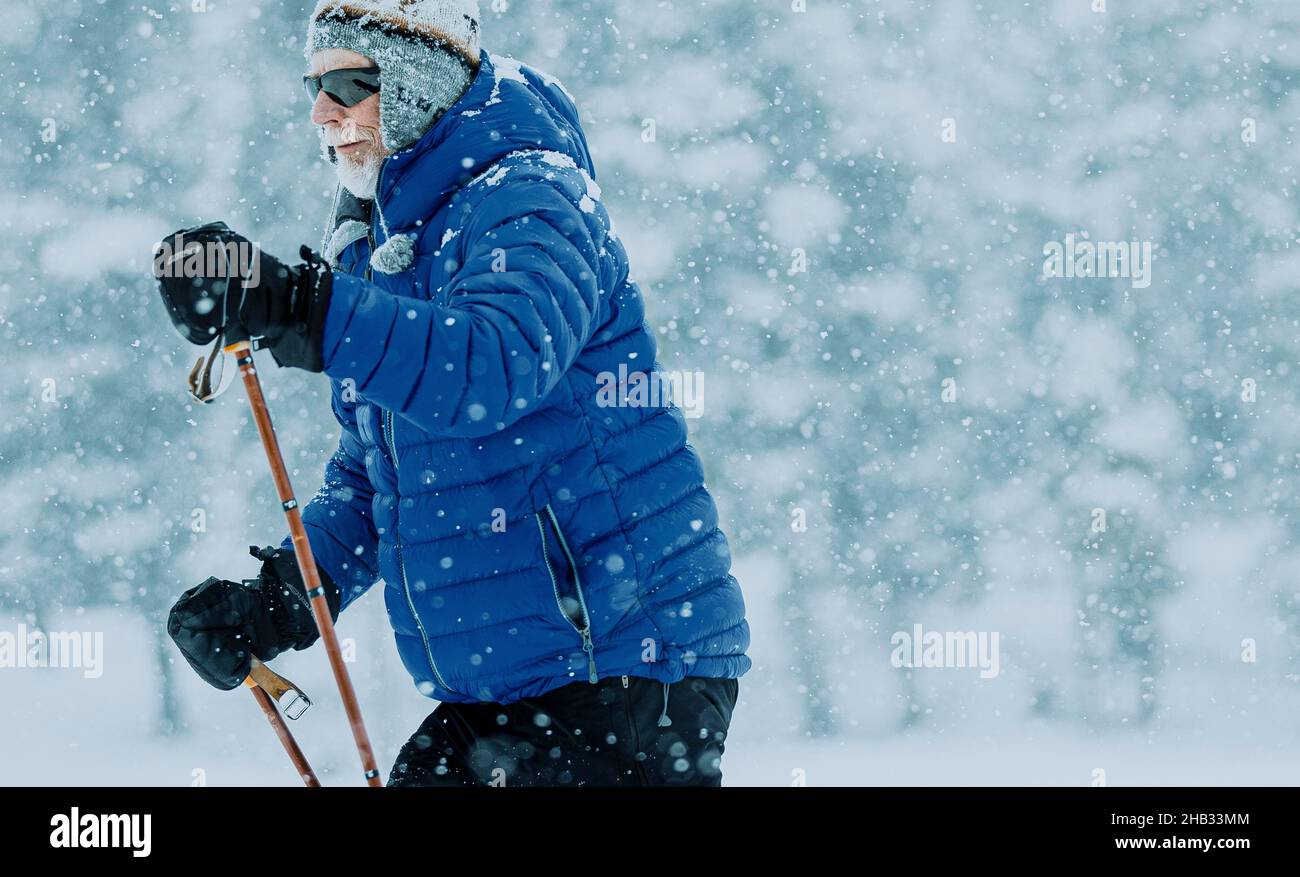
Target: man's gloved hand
(219,626)
(212,279)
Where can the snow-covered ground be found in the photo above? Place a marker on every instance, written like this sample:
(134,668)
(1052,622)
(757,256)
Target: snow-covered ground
(60,728)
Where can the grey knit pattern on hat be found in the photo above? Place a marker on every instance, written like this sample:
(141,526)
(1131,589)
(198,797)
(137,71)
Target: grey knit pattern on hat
(427,52)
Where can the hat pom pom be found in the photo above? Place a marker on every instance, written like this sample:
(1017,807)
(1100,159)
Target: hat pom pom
(395,256)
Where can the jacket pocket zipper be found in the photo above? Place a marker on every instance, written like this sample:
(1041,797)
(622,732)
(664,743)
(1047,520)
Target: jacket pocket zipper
(581,624)
(401,564)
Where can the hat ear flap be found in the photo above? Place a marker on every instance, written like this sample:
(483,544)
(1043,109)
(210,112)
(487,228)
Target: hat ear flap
(389,113)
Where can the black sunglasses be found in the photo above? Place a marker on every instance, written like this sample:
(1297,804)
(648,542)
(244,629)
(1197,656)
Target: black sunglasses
(347,86)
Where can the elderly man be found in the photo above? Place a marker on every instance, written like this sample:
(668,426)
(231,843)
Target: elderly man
(553,567)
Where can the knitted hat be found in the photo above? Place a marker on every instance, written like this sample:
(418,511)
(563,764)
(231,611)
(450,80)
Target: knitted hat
(427,52)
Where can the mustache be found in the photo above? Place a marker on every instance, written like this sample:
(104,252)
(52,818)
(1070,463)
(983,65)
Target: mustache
(350,132)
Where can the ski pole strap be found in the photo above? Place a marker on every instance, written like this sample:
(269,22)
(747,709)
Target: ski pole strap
(203,387)
(279,688)
(282,731)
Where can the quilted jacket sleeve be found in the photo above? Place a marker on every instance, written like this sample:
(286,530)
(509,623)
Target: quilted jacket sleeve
(521,306)
(339,520)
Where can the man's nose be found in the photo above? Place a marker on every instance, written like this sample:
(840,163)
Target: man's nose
(326,110)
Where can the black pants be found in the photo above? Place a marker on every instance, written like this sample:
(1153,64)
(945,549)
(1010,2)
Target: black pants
(606,734)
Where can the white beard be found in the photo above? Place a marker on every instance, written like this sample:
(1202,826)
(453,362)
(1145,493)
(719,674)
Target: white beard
(359,179)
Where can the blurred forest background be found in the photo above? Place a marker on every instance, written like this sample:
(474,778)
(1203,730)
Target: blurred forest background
(837,211)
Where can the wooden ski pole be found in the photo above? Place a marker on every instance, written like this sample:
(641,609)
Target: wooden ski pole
(263,697)
(243,353)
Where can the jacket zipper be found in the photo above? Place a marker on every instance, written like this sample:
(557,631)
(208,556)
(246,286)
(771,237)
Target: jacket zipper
(370,239)
(374,211)
(585,630)
(392,450)
(401,564)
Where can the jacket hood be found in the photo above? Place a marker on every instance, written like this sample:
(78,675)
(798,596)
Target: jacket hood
(509,107)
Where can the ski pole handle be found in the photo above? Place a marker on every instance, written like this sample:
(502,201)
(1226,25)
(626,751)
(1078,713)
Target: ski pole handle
(278,687)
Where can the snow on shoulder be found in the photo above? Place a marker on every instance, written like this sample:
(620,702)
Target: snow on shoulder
(497,172)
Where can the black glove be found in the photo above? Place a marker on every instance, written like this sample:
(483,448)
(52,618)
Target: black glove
(285,305)
(219,626)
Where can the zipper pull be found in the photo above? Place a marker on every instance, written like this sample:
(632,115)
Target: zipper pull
(590,649)
(625,682)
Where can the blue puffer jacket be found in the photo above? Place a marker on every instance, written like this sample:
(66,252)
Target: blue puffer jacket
(528,535)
